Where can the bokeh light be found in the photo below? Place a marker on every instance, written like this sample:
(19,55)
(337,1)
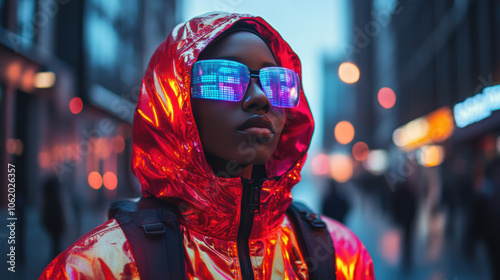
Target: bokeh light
(28,79)
(118,144)
(386,97)
(19,147)
(95,180)
(14,71)
(411,133)
(430,156)
(390,246)
(14,146)
(344,132)
(341,167)
(76,105)
(45,79)
(44,159)
(360,151)
(10,145)
(110,181)
(377,162)
(105,147)
(321,164)
(348,72)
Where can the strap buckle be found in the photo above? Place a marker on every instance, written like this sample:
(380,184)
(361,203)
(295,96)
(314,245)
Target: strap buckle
(314,220)
(154,228)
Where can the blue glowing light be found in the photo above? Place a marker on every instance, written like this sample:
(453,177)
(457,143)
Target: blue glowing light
(478,107)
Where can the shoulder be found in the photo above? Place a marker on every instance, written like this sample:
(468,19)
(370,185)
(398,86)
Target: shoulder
(102,253)
(352,259)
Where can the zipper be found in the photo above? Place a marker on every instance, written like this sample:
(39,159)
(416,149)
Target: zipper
(250,204)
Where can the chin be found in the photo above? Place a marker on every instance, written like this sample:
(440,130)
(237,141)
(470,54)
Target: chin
(254,154)
(261,159)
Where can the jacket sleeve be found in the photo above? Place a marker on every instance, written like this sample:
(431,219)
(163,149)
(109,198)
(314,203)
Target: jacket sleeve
(103,253)
(353,262)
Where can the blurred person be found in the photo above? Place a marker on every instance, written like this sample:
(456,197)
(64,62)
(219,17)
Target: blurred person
(52,214)
(484,223)
(223,144)
(335,205)
(404,208)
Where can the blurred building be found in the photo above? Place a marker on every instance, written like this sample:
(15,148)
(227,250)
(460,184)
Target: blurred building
(433,55)
(450,56)
(440,60)
(430,57)
(70,75)
(338,101)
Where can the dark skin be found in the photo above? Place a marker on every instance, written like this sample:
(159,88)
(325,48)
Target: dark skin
(230,148)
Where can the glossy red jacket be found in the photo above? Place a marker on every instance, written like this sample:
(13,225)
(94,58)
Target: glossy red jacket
(168,160)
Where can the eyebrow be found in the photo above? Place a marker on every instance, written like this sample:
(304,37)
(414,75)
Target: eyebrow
(233,58)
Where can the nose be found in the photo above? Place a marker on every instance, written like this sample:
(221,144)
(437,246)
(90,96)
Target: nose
(255,99)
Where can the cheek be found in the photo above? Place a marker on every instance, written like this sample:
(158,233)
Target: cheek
(213,119)
(279,115)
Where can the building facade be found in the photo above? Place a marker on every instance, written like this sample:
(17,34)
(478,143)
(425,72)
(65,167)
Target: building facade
(70,75)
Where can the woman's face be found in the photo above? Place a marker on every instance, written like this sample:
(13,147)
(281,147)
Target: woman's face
(246,132)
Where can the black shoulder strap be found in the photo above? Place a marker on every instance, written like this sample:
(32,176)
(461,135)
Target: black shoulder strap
(154,234)
(314,240)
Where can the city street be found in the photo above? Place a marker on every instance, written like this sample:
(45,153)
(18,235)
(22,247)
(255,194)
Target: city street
(383,241)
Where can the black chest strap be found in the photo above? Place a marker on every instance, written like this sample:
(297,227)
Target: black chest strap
(314,240)
(153,232)
(154,235)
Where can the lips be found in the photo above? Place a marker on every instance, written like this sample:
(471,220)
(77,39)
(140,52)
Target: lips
(257,124)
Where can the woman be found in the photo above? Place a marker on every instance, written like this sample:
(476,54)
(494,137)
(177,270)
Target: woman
(221,132)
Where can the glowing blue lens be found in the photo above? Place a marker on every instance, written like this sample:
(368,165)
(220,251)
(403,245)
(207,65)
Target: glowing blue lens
(228,80)
(219,80)
(281,86)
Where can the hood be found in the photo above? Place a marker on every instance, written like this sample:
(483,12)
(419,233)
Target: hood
(167,155)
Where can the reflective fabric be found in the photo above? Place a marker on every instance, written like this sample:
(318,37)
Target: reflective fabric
(103,253)
(228,80)
(168,160)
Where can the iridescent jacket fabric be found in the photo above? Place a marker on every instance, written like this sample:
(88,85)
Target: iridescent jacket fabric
(168,160)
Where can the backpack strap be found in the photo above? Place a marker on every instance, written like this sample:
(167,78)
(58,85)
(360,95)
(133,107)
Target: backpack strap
(314,241)
(153,232)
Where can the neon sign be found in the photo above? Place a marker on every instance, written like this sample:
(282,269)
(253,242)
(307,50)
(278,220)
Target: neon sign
(478,107)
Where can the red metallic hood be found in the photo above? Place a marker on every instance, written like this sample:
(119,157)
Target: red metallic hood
(167,155)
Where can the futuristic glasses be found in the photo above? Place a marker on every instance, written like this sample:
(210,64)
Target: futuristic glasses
(228,80)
